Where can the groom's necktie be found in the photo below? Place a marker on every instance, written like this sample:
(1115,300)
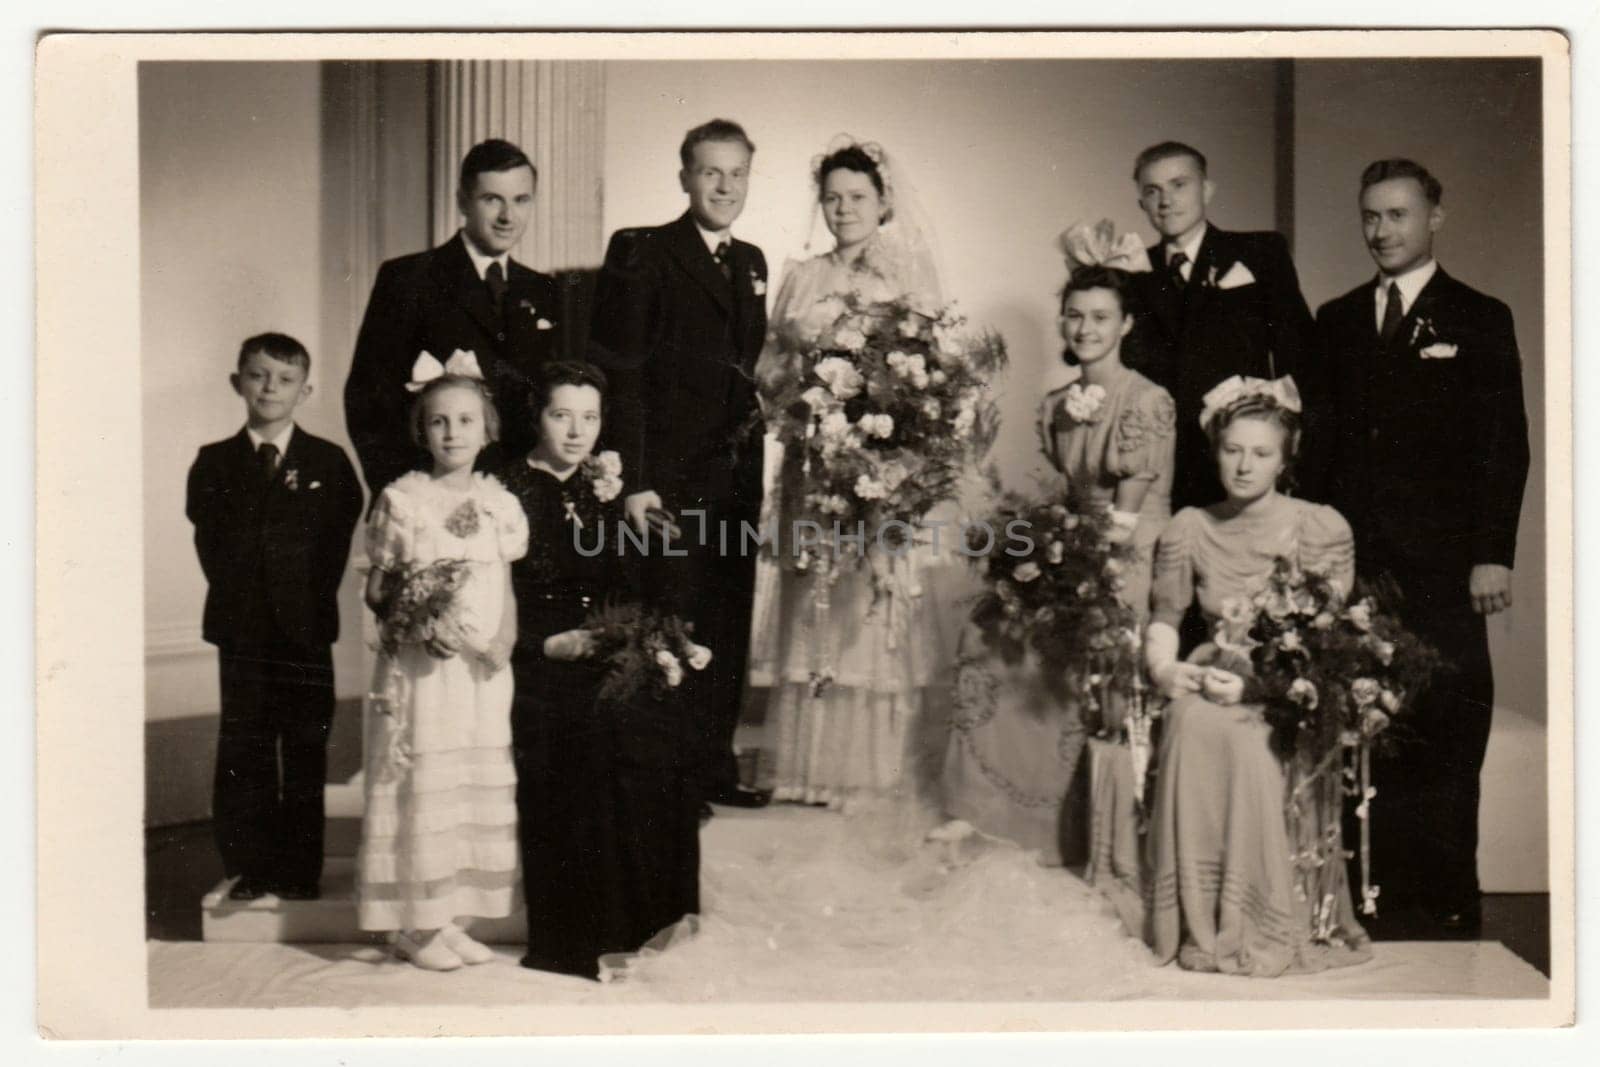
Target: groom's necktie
(1175,265)
(495,279)
(267,456)
(721,256)
(1392,314)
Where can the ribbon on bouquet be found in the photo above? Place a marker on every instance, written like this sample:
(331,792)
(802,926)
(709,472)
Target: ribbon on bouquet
(390,697)
(894,586)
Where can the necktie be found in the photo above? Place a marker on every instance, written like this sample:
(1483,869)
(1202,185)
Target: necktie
(721,256)
(1392,314)
(267,457)
(495,279)
(1175,265)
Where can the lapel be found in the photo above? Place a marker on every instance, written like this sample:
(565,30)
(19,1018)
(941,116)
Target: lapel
(1207,261)
(461,287)
(685,245)
(1426,305)
(293,460)
(526,304)
(1166,299)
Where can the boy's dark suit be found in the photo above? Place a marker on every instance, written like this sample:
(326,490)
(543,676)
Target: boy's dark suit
(435,302)
(273,552)
(680,341)
(1429,460)
(1189,336)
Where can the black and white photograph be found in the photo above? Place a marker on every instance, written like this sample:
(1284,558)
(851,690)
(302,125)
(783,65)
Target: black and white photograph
(626,529)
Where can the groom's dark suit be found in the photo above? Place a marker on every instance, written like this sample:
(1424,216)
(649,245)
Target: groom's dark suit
(1190,336)
(680,340)
(435,302)
(1429,459)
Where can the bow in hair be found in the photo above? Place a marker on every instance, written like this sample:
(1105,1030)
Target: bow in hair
(427,368)
(1282,391)
(1085,244)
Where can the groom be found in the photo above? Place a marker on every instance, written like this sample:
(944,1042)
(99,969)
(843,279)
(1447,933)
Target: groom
(679,319)
(1430,460)
(1216,303)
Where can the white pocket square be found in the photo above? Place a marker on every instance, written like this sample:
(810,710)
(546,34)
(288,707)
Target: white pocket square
(544,324)
(1439,350)
(314,485)
(1237,277)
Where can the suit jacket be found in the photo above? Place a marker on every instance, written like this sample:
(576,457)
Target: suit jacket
(1188,338)
(1430,452)
(680,343)
(273,552)
(434,301)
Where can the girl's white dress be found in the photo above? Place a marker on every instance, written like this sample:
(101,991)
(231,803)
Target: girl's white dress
(439,839)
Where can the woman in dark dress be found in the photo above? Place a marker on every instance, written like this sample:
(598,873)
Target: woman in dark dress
(607,814)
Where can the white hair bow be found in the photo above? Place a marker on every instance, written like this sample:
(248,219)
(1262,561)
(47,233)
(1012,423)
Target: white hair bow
(1097,244)
(427,368)
(1230,390)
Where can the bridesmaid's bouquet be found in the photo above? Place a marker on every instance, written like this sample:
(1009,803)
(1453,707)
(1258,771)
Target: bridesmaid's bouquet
(640,649)
(890,407)
(422,607)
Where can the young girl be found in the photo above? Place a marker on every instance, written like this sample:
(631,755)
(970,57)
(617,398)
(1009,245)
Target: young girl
(439,839)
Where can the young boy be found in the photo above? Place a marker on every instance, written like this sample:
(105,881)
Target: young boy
(273,510)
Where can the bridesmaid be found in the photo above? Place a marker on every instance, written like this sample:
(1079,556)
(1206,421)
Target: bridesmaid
(1014,767)
(607,812)
(1221,892)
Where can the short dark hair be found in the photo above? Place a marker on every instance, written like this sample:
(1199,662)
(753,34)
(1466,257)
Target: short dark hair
(492,155)
(1385,169)
(551,376)
(1168,150)
(278,346)
(715,130)
(1094,276)
(491,414)
(850,157)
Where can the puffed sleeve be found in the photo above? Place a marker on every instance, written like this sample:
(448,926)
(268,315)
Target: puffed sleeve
(1046,424)
(510,525)
(1327,544)
(1172,586)
(389,540)
(1142,444)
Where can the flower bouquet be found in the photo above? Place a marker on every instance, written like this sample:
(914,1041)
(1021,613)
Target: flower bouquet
(1335,678)
(639,649)
(890,407)
(421,608)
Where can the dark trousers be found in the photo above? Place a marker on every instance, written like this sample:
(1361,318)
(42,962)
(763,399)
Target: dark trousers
(712,585)
(272,761)
(1425,815)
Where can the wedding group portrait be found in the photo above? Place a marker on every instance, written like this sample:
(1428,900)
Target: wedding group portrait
(689,531)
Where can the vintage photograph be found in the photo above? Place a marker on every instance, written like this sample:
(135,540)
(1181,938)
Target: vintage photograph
(1050,527)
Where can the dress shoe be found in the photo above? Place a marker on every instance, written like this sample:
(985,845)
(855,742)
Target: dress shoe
(298,891)
(247,888)
(462,944)
(426,949)
(741,797)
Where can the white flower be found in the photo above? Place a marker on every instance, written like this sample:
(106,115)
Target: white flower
(1390,701)
(1056,552)
(610,463)
(869,488)
(1290,641)
(1113,566)
(880,425)
(1384,651)
(670,666)
(606,487)
(893,474)
(938,377)
(818,397)
(1026,571)
(911,326)
(930,408)
(850,339)
(699,656)
(1082,403)
(834,424)
(1304,693)
(1374,721)
(841,376)
(963,422)
(1360,615)
(1323,620)
(829,308)
(1365,691)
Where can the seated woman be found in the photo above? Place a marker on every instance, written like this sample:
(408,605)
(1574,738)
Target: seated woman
(1220,892)
(608,816)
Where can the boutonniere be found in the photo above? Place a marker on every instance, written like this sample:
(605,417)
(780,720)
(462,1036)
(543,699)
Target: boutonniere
(1210,280)
(604,472)
(539,323)
(1082,403)
(758,284)
(291,479)
(464,520)
(1422,331)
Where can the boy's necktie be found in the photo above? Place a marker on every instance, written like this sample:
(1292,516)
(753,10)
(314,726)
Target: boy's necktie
(267,455)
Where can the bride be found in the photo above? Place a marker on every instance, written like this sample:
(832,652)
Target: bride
(856,737)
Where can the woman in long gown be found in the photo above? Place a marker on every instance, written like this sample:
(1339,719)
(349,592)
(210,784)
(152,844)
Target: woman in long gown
(607,811)
(1015,765)
(1221,889)
(855,739)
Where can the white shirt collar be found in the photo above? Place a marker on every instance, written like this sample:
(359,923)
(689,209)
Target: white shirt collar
(712,238)
(1191,247)
(480,262)
(1411,284)
(282,440)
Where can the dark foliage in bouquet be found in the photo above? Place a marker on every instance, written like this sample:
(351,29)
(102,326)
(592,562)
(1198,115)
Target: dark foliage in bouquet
(640,649)
(1060,594)
(1331,672)
(889,408)
(419,608)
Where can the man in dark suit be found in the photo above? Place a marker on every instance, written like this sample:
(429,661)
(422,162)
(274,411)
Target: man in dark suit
(1430,456)
(466,294)
(273,509)
(679,319)
(1213,305)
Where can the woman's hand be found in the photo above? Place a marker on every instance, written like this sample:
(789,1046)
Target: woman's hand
(1123,524)
(1222,687)
(495,656)
(1177,678)
(569,645)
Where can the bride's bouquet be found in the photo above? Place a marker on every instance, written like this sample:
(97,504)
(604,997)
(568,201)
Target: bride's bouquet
(891,404)
(639,649)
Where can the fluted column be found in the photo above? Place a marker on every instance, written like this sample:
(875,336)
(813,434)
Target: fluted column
(555,111)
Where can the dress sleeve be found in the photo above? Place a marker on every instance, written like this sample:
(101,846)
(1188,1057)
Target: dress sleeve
(1327,544)
(1172,587)
(1046,426)
(389,540)
(1142,444)
(510,524)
